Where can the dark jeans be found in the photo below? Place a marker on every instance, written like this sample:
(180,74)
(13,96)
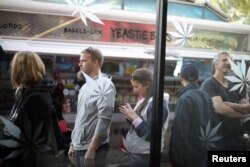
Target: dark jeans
(139,160)
(100,156)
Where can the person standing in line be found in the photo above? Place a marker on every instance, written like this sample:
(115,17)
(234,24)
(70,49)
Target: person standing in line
(58,99)
(31,112)
(219,90)
(137,141)
(96,99)
(243,108)
(194,111)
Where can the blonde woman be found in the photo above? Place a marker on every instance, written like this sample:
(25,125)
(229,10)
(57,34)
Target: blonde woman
(31,112)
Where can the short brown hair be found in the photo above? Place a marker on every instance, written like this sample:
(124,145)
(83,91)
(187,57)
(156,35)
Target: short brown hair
(27,68)
(95,54)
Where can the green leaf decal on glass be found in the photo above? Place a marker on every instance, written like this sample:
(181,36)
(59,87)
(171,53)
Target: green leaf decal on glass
(241,78)
(23,142)
(209,136)
(12,129)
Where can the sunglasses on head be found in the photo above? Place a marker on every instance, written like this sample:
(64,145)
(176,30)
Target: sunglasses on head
(90,50)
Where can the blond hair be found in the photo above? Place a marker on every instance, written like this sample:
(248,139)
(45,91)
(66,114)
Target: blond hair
(27,68)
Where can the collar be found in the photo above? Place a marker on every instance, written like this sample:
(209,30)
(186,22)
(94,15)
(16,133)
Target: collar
(188,87)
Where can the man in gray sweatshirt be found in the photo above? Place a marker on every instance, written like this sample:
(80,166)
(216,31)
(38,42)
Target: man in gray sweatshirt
(95,106)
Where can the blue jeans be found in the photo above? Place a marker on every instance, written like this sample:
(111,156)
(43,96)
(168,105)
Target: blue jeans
(100,156)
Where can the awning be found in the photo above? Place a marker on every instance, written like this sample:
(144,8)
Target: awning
(48,47)
(108,50)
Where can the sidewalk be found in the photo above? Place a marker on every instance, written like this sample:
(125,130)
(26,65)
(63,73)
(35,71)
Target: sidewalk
(115,159)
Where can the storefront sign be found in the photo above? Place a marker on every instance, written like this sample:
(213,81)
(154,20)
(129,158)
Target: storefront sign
(215,40)
(58,28)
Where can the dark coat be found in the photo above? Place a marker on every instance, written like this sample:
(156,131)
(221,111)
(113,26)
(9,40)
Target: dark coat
(194,114)
(33,113)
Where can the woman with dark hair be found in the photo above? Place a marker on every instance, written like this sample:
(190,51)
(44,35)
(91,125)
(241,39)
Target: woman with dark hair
(58,99)
(137,141)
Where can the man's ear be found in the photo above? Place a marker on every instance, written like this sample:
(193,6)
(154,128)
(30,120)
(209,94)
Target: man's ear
(96,62)
(181,79)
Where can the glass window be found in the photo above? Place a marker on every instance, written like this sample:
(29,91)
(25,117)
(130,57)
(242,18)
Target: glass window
(6,90)
(117,4)
(48,62)
(68,67)
(209,15)
(174,8)
(192,11)
(67,64)
(5,59)
(178,9)
(204,66)
(110,3)
(111,68)
(146,6)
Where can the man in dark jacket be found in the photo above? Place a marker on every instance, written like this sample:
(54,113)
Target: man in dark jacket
(193,120)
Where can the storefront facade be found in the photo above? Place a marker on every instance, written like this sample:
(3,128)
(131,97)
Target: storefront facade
(126,38)
(122,36)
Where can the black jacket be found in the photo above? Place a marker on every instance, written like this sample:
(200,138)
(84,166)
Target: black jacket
(33,113)
(194,118)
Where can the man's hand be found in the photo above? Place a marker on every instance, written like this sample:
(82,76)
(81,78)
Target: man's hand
(71,154)
(90,154)
(89,157)
(243,108)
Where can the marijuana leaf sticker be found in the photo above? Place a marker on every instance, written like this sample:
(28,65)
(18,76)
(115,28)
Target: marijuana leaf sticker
(82,6)
(183,34)
(241,78)
(102,92)
(22,143)
(208,136)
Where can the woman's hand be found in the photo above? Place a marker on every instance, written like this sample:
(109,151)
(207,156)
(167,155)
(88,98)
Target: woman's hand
(128,111)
